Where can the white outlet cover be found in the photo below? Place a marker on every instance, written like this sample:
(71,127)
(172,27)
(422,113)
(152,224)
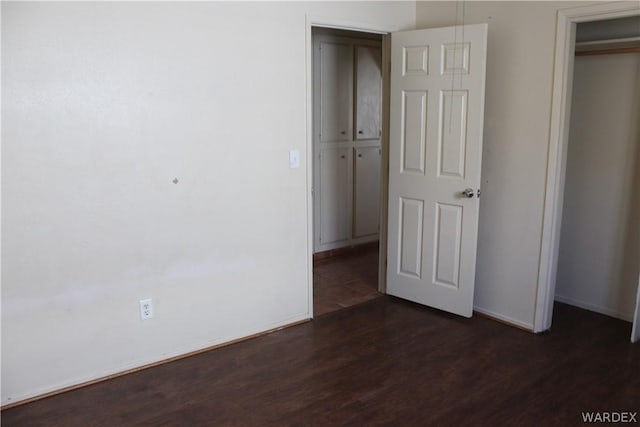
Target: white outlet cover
(146,309)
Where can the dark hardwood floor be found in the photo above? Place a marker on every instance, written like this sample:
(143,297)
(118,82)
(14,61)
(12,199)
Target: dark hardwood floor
(345,280)
(384,362)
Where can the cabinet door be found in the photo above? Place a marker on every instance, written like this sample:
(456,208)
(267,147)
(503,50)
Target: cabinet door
(367,191)
(335,195)
(336,91)
(368,92)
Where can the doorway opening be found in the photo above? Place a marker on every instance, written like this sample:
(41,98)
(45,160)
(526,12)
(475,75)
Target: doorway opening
(591,232)
(348,158)
(599,252)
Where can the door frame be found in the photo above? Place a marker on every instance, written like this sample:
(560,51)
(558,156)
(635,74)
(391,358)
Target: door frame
(385,31)
(558,142)
(635,329)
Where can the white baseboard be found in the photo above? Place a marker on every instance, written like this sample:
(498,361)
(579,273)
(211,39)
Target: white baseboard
(506,319)
(592,307)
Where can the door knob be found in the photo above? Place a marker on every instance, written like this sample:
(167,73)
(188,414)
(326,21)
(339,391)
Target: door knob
(468,192)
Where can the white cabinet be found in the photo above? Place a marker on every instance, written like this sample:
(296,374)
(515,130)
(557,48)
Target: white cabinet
(366,196)
(335,195)
(368,92)
(336,91)
(347,90)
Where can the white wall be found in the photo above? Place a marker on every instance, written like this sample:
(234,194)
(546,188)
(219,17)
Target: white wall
(103,105)
(599,252)
(516,140)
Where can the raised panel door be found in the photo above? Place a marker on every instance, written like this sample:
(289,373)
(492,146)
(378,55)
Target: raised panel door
(435,148)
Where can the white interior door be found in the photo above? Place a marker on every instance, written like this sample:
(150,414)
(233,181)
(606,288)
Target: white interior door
(635,332)
(437,111)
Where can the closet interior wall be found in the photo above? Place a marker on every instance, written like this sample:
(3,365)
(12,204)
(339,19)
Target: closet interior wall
(599,258)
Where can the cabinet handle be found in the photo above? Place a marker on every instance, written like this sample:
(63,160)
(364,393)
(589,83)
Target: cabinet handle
(360,132)
(359,154)
(343,132)
(342,157)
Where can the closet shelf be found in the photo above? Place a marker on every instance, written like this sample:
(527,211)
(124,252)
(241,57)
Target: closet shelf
(623,45)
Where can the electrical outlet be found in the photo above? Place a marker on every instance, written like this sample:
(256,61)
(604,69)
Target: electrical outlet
(146,309)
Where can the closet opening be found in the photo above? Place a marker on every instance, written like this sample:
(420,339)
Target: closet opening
(599,251)
(348,157)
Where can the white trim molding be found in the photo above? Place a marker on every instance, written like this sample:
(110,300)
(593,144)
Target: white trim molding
(504,319)
(627,317)
(558,142)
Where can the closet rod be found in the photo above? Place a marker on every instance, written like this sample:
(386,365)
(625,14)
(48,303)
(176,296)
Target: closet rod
(610,51)
(608,47)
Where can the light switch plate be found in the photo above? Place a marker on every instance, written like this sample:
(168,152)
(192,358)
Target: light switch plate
(294,159)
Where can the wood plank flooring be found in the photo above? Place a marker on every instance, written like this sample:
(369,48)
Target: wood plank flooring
(385,362)
(345,280)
